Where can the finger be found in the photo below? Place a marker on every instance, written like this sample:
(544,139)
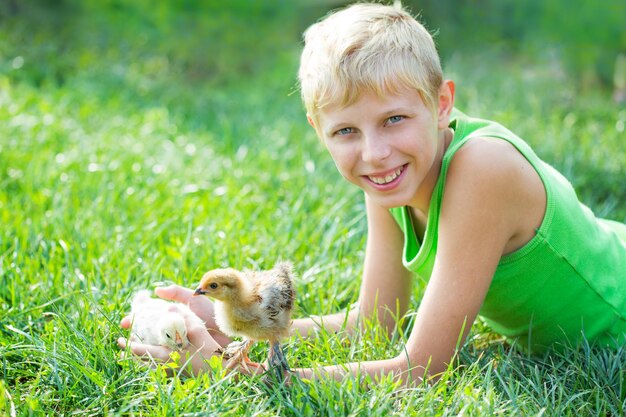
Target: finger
(200,338)
(131,344)
(125,323)
(174,293)
(121,342)
(159,353)
(192,321)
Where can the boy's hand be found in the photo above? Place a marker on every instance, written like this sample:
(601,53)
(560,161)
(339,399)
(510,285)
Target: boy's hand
(201,306)
(202,346)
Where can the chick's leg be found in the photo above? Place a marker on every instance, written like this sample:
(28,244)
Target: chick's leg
(245,348)
(277,359)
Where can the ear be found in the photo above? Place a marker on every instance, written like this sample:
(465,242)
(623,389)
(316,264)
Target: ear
(310,120)
(317,132)
(446,103)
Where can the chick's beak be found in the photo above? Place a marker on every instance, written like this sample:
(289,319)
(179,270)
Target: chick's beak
(179,340)
(199,291)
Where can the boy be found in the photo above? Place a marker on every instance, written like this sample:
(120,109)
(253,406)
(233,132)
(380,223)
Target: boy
(461,202)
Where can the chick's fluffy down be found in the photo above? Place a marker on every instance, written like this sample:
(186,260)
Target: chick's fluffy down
(159,322)
(267,315)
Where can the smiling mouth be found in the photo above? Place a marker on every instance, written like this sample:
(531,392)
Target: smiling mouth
(382,180)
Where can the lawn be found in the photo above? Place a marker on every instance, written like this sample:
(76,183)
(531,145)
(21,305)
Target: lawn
(128,159)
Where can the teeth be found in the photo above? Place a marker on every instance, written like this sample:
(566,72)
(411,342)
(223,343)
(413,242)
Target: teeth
(386,179)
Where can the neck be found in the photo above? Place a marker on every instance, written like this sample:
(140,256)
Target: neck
(422,200)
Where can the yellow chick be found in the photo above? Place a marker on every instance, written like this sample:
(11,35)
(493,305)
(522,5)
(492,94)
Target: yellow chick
(254,305)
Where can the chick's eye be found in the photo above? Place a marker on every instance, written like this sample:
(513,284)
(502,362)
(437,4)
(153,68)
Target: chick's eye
(213,285)
(168,335)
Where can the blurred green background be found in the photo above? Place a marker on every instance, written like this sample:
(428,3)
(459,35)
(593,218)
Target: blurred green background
(555,56)
(139,43)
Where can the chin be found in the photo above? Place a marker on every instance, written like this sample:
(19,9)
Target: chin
(389,200)
(389,203)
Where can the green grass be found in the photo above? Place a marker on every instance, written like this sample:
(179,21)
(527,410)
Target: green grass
(117,178)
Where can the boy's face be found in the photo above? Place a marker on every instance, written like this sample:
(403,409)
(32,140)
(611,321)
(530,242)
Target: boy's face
(390,146)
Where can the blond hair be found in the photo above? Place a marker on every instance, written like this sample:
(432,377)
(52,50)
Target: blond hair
(367,47)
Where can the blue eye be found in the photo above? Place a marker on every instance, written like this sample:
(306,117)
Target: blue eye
(395,119)
(344,131)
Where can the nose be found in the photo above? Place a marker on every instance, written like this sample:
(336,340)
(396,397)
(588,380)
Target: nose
(375,148)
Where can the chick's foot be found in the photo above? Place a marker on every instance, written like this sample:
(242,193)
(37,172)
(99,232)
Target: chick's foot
(234,349)
(236,353)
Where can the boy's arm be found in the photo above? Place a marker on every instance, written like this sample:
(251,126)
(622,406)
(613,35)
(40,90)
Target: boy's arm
(309,326)
(386,284)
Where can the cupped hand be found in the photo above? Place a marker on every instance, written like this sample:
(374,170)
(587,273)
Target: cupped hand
(201,347)
(200,305)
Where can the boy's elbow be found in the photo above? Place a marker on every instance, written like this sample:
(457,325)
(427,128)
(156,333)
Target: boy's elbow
(413,372)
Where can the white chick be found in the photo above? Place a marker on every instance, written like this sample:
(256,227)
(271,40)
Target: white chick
(158,322)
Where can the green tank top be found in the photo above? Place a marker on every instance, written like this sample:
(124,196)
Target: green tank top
(568,281)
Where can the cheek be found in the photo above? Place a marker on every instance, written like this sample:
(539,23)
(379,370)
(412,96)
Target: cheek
(344,167)
(342,171)
(342,157)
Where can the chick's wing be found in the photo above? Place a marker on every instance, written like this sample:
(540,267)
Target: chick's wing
(276,293)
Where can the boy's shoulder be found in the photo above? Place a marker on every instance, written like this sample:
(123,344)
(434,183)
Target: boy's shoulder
(491,176)
(488,167)
(486,155)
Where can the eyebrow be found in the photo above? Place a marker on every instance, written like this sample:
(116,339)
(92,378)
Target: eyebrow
(395,111)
